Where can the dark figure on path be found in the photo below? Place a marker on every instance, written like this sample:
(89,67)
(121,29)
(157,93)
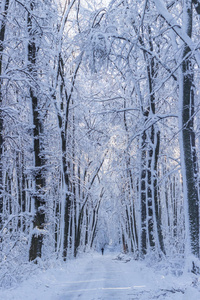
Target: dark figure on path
(102,250)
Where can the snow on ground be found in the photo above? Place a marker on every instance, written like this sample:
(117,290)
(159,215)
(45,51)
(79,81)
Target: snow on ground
(97,277)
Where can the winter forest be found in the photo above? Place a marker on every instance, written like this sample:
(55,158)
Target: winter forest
(99,130)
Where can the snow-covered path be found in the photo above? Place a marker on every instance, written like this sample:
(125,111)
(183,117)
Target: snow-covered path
(102,278)
(97,277)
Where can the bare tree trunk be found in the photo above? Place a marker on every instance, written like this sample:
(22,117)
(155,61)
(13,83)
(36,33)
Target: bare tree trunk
(188,138)
(150,207)
(39,160)
(63,127)
(143,196)
(4,11)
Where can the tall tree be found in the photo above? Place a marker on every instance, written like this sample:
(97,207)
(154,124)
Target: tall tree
(187,136)
(4,12)
(38,130)
(186,85)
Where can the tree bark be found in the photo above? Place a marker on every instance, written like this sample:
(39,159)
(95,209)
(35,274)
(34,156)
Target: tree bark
(39,160)
(4,13)
(189,166)
(188,138)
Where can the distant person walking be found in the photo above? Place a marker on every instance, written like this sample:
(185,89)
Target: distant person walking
(102,250)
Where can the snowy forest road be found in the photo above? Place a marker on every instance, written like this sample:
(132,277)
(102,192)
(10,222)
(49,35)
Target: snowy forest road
(116,277)
(103,278)
(108,277)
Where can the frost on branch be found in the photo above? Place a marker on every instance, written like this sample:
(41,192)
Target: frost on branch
(97,50)
(38,231)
